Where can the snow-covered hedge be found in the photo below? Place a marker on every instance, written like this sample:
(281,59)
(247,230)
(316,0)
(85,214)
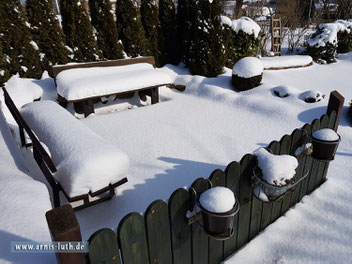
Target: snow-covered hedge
(241,38)
(323,44)
(247,73)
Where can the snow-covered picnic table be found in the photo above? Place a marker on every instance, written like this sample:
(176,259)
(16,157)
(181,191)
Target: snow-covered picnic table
(85,83)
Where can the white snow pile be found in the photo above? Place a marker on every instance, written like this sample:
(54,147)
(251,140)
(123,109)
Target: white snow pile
(78,83)
(329,33)
(217,199)
(226,21)
(245,24)
(24,202)
(276,169)
(84,161)
(312,96)
(284,90)
(248,67)
(291,61)
(325,134)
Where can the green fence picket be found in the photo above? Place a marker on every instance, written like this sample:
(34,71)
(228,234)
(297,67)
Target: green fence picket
(315,165)
(179,204)
(158,232)
(233,173)
(199,237)
(103,247)
(285,148)
(132,239)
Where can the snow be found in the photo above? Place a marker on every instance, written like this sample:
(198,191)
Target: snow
(276,169)
(34,45)
(217,199)
(247,25)
(248,67)
(24,202)
(326,134)
(78,83)
(226,21)
(286,61)
(284,90)
(84,161)
(188,135)
(329,33)
(312,96)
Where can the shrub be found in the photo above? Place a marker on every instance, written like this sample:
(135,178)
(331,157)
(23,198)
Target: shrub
(241,38)
(103,22)
(79,31)
(206,54)
(247,73)
(344,43)
(47,33)
(21,53)
(130,28)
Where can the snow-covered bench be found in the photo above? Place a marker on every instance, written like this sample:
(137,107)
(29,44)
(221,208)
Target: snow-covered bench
(84,84)
(79,163)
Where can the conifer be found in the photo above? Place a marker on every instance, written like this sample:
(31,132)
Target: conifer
(207,53)
(171,48)
(20,51)
(130,28)
(151,24)
(47,33)
(183,28)
(78,30)
(4,72)
(103,22)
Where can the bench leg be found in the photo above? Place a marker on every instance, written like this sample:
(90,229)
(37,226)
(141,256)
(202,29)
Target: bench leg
(85,107)
(155,95)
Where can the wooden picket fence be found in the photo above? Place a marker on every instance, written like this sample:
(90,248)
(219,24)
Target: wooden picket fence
(162,234)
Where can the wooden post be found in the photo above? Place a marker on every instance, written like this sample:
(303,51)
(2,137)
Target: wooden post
(63,226)
(336,102)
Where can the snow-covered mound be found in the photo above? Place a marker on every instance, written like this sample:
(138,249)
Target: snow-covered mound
(280,62)
(248,67)
(217,199)
(84,161)
(326,134)
(226,21)
(276,169)
(329,33)
(312,96)
(78,83)
(284,90)
(247,25)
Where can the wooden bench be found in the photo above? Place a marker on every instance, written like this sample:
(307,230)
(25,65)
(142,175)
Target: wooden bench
(85,104)
(48,168)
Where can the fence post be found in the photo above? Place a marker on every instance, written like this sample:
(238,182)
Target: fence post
(336,101)
(63,226)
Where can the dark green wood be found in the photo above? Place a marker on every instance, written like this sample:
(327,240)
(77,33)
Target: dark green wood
(256,217)
(158,232)
(297,140)
(103,247)
(332,119)
(199,237)
(308,161)
(233,173)
(315,165)
(276,206)
(216,247)
(132,239)
(285,148)
(179,204)
(247,164)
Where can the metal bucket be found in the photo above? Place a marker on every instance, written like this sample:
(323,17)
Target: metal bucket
(324,150)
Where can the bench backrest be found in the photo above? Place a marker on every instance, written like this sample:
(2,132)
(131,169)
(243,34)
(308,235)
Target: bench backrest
(58,68)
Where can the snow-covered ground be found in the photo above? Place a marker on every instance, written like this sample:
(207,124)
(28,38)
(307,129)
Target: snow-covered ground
(188,135)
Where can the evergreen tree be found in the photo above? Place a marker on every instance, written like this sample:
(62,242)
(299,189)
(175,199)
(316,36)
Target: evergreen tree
(103,22)
(130,28)
(4,72)
(20,51)
(207,53)
(151,24)
(167,16)
(183,28)
(78,30)
(47,33)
